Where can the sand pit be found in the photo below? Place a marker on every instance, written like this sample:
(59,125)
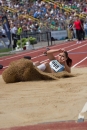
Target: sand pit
(26,103)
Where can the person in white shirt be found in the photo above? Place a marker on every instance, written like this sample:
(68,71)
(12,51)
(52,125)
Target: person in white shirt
(13,30)
(85,28)
(3,32)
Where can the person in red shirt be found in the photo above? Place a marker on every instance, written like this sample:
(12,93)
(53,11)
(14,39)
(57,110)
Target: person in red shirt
(78,26)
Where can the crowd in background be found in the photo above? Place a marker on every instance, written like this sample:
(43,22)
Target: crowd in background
(44,16)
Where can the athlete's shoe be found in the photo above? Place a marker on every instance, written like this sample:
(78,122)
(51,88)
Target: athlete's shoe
(1,66)
(27,57)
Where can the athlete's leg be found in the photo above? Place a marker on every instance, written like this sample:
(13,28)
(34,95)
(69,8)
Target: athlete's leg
(45,67)
(37,63)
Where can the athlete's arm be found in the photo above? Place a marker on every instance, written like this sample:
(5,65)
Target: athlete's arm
(67,68)
(51,52)
(55,51)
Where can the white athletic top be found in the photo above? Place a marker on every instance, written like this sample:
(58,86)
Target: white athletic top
(56,66)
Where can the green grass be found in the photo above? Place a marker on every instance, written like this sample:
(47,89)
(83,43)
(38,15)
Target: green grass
(5,50)
(2,55)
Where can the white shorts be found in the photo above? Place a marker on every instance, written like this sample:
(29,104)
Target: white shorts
(41,67)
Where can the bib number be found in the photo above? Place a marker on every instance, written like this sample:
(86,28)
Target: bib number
(56,66)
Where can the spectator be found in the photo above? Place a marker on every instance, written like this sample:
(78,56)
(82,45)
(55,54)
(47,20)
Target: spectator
(55,18)
(85,28)
(78,26)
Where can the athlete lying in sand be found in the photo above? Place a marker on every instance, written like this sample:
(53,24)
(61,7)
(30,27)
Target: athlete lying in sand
(61,63)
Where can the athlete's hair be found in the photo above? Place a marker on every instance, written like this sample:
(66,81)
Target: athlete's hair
(69,60)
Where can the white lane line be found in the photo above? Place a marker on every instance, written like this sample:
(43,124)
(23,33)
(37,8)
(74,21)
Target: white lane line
(79,62)
(5,67)
(78,52)
(84,108)
(18,55)
(77,47)
(39,50)
(68,51)
(56,55)
(64,48)
(81,114)
(33,57)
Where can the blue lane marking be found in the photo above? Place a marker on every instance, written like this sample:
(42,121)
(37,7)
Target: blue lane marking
(78,52)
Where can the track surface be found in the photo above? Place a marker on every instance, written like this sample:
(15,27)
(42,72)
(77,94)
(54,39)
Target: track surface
(78,53)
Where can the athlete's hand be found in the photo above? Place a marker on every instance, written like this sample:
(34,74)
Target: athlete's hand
(45,53)
(61,50)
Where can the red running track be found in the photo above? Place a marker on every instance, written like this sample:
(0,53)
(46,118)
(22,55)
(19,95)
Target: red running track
(78,53)
(53,126)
